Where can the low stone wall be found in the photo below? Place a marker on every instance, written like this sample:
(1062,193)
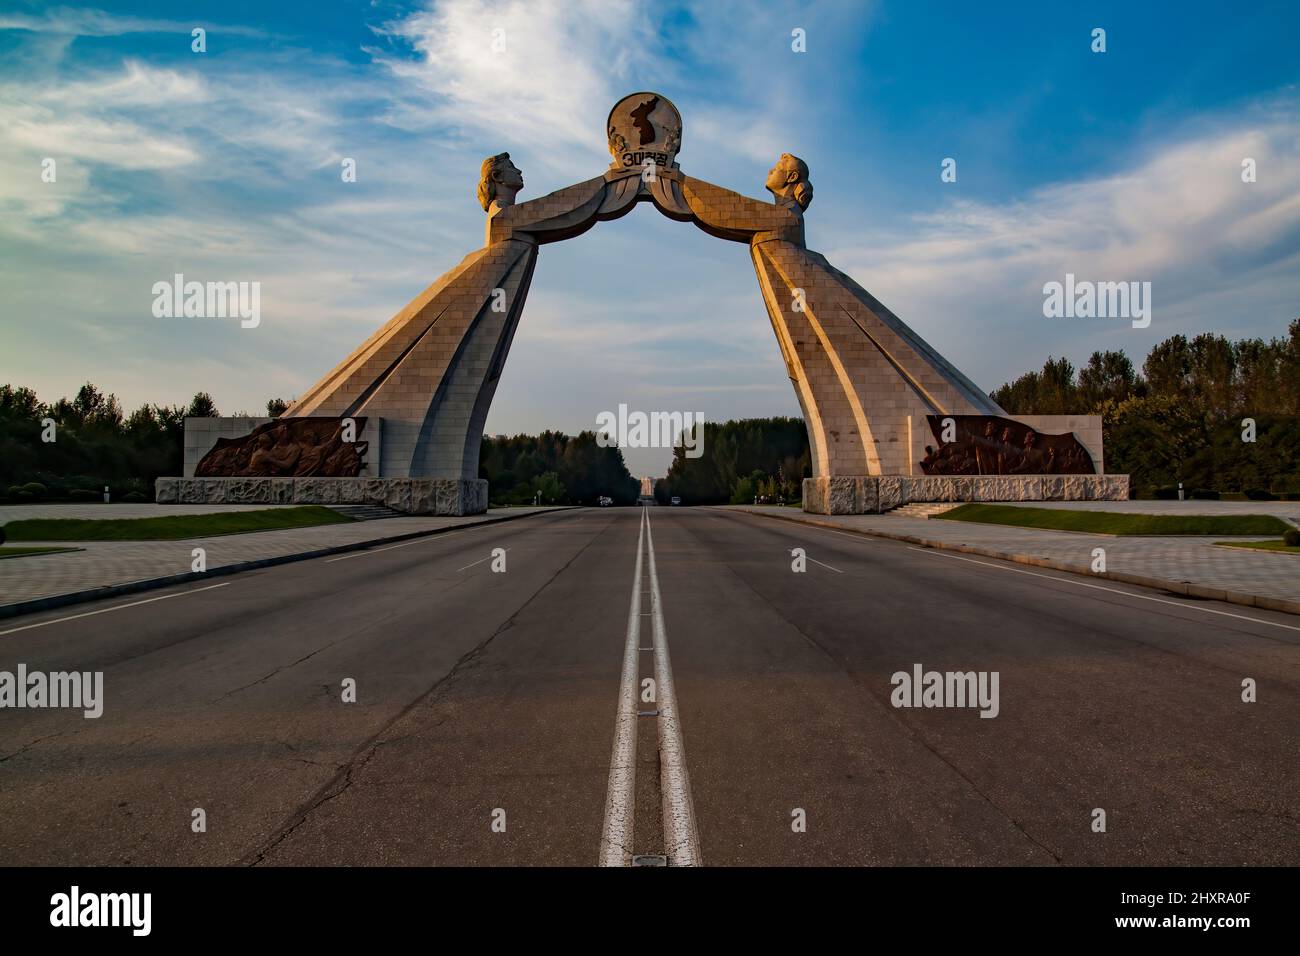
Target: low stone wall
(417,496)
(854,495)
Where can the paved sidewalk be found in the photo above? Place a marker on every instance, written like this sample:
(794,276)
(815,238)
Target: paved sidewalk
(110,564)
(1183,564)
(99,510)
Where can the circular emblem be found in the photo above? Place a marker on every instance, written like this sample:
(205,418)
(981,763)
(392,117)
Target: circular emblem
(644,127)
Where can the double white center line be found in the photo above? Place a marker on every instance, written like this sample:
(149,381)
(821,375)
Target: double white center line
(681,838)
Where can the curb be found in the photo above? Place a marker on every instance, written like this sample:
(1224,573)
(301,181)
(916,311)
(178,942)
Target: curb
(149,584)
(1185,588)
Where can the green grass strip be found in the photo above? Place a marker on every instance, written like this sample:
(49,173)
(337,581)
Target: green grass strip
(1110,522)
(1279,546)
(171,527)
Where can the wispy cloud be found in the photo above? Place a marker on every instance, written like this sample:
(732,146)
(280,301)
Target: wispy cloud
(1180,218)
(538,73)
(72,21)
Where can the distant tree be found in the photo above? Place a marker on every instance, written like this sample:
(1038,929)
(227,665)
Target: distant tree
(1168,366)
(1211,374)
(202,406)
(548,488)
(741,459)
(1181,419)
(1152,439)
(1108,376)
(94,443)
(276,407)
(1058,389)
(19,404)
(565,469)
(1049,392)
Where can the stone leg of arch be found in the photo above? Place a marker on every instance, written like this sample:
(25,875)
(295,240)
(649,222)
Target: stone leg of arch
(431,371)
(862,376)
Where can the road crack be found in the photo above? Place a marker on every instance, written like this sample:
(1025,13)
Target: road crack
(342,781)
(29,745)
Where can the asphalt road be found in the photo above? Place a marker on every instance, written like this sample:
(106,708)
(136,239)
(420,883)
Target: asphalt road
(484,729)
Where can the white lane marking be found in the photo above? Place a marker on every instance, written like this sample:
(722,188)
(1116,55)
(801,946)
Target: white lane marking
(393,547)
(480,561)
(681,837)
(862,539)
(824,565)
(1099,587)
(620,795)
(117,607)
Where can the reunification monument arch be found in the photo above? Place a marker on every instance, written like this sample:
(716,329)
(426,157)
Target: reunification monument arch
(873,393)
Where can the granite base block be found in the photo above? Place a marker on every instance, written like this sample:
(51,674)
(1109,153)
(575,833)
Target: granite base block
(873,494)
(416,496)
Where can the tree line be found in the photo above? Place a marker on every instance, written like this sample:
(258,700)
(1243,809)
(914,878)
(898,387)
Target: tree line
(74,447)
(752,458)
(1211,413)
(554,468)
(1214,414)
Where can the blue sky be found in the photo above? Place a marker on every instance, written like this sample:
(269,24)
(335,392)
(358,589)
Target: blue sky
(225,166)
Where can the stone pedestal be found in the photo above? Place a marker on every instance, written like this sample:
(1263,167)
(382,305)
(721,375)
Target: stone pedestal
(416,496)
(873,494)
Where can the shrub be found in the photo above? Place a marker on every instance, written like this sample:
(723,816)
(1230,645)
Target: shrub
(134,496)
(1164,493)
(1259,494)
(1204,494)
(83,494)
(2,534)
(1292,538)
(35,489)
(13,491)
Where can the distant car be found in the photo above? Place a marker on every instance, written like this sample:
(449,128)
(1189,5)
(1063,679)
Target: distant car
(606,501)
(676,500)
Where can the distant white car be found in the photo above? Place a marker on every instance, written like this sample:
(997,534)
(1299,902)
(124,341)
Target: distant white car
(676,500)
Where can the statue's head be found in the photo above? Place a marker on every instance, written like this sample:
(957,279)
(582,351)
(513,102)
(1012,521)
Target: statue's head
(788,180)
(499,181)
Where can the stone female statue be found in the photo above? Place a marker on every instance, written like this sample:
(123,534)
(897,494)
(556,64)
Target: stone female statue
(788,182)
(499,181)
